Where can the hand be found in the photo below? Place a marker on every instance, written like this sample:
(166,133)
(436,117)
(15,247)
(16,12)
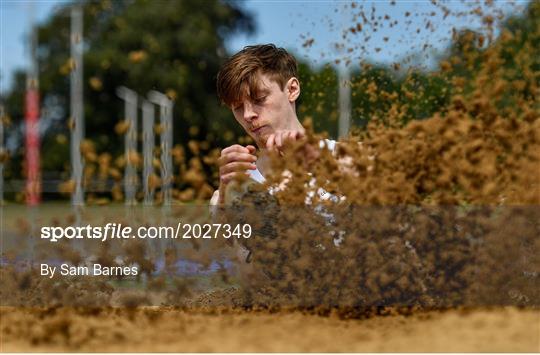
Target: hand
(234,160)
(276,141)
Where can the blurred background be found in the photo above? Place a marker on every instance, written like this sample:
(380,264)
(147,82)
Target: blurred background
(358,61)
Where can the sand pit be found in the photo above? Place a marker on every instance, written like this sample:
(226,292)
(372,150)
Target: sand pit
(170,330)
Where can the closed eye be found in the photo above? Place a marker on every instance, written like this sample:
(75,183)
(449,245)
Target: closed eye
(260,100)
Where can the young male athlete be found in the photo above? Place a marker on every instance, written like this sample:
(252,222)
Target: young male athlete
(260,85)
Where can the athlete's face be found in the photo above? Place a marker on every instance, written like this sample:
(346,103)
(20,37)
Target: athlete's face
(272,110)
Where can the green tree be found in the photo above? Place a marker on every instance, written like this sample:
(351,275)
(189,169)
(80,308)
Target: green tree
(173,46)
(318,101)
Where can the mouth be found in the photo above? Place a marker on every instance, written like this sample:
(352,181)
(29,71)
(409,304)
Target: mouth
(258,130)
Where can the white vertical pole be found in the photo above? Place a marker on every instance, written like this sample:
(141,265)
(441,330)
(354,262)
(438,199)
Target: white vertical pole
(166,116)
(2,154)
(2,151)
(130,172)
(148,148)
(77,110)
(344,103)
(166,156)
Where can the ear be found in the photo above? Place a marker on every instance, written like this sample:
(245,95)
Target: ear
(293,89)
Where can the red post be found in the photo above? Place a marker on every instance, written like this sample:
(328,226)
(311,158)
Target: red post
(33,178)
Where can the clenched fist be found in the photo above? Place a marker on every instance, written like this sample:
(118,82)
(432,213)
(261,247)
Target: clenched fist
(234,160)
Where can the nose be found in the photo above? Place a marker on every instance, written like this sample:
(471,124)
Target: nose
(249,112)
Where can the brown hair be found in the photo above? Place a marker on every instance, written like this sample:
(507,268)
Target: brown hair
(238,76)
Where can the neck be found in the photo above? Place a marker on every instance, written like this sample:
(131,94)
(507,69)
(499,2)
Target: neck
(263,162)
(294,124)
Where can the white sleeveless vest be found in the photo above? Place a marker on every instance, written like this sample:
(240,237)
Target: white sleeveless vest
(258,177)
(323,194)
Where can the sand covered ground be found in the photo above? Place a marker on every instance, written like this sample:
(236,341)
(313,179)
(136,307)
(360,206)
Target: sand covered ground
(155,330)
